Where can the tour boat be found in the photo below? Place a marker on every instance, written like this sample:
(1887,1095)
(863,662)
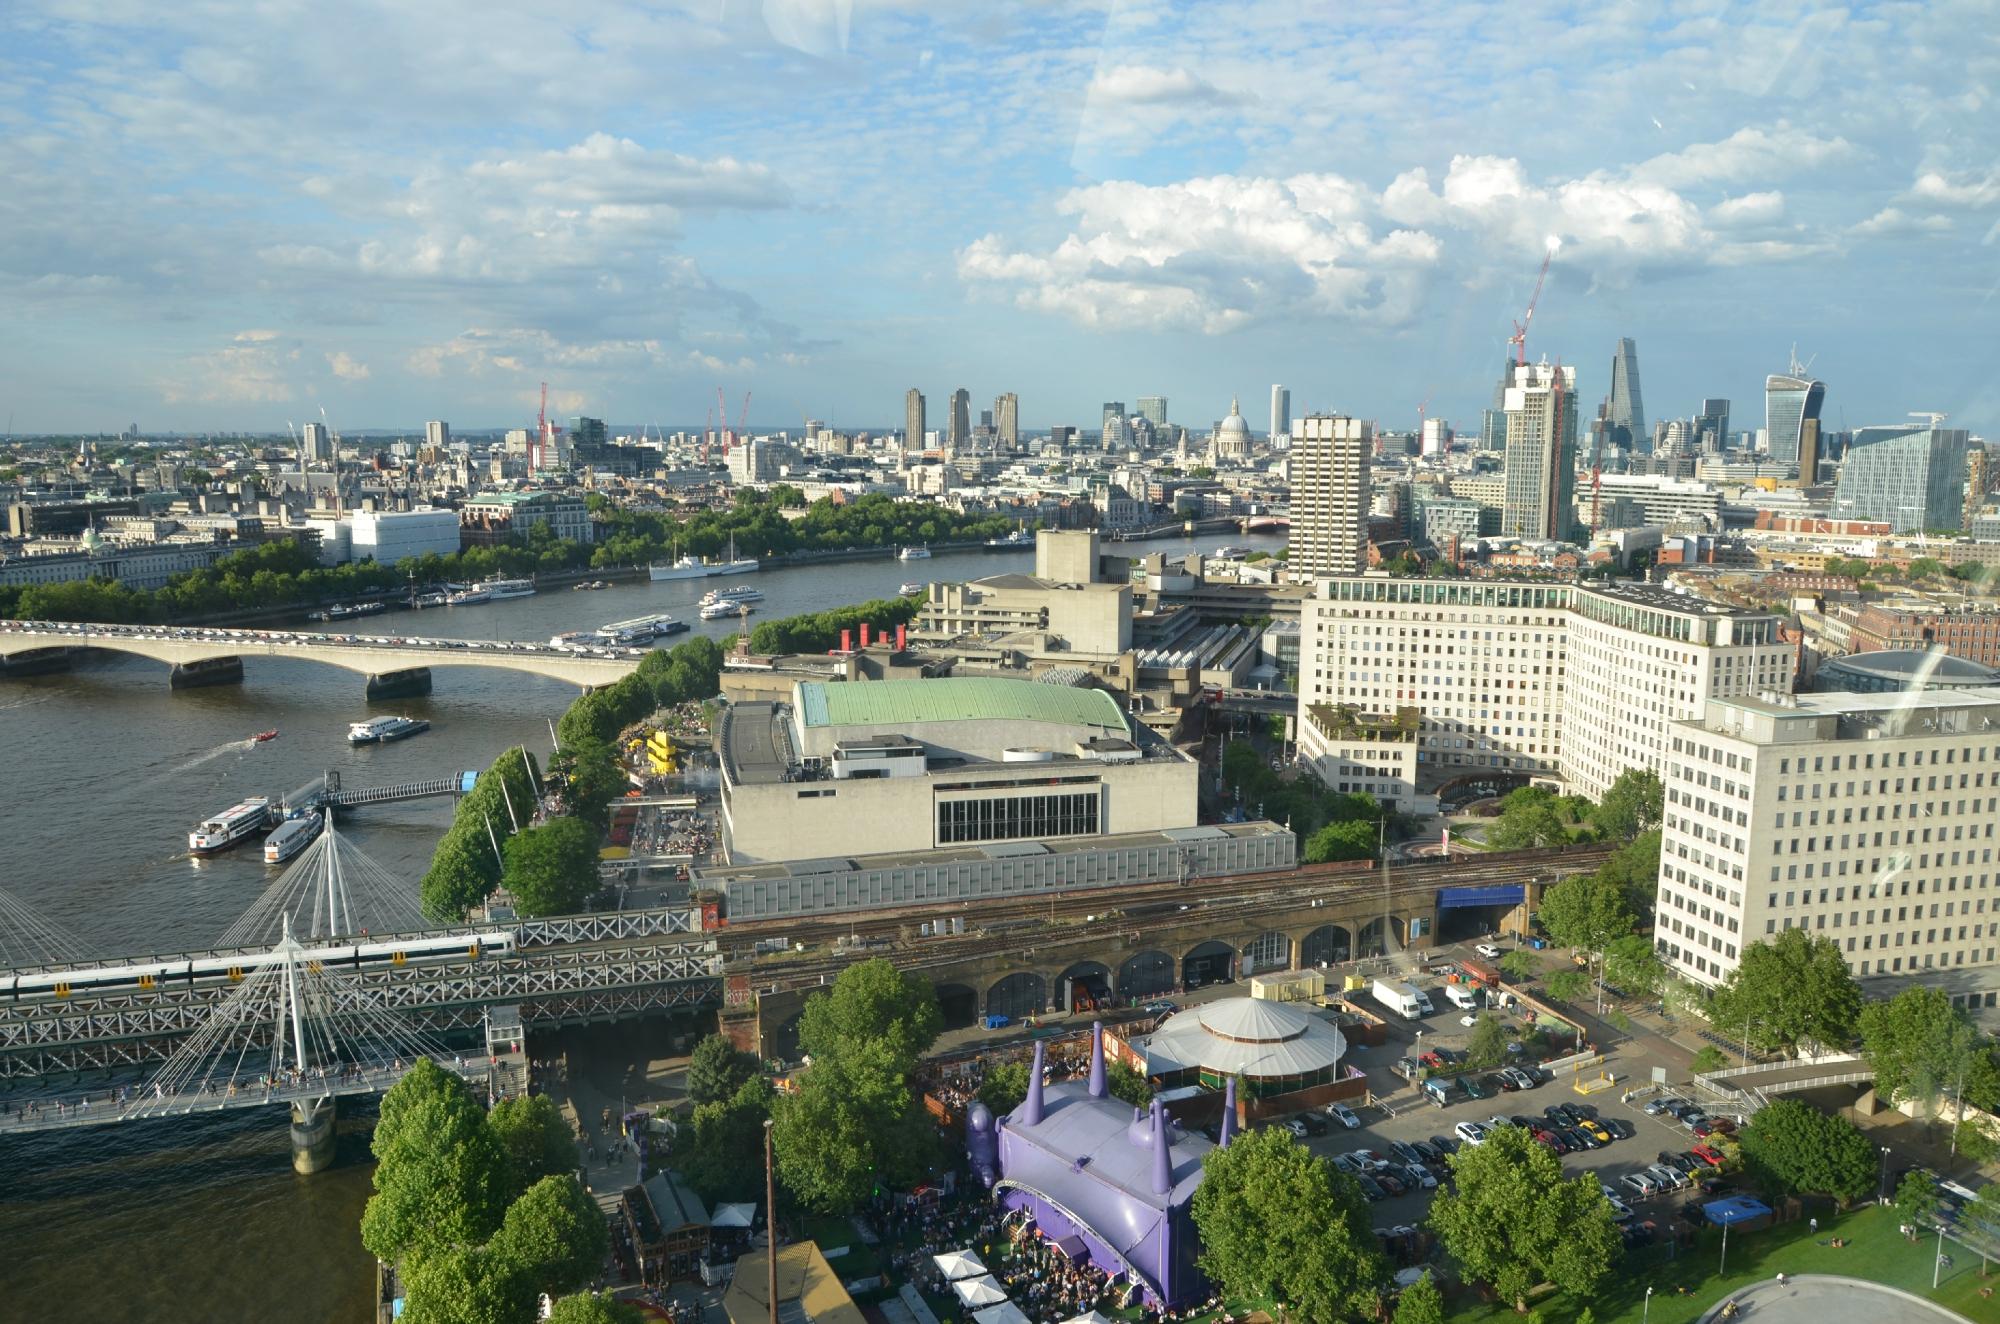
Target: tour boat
(383,730)
(465,597)
(230,826)
(741,593)
(507,588)
(911,587)
(716,611)
(642,629)
(1018,538)
(293,835)
(914,554)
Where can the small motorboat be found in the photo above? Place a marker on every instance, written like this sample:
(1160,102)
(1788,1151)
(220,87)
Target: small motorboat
(262,736)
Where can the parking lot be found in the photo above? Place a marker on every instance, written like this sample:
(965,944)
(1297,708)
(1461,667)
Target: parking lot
(1402,1114)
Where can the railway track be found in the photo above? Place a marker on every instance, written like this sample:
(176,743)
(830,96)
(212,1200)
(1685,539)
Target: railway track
(1038,922)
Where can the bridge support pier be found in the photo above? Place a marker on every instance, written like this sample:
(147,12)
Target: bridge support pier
(37,662)
(409,683)
(312,1136)
(208,671)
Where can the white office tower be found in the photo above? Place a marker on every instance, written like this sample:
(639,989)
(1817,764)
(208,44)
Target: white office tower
(1541,452)
(1281,414)
(1864,818)
(437,434)
(1436,437)
(315,444)
(1329,464)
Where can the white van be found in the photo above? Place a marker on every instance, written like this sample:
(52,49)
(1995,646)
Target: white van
(1461,997)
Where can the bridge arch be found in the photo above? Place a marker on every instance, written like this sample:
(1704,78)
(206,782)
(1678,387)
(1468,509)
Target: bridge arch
(959,1005)
(1368,939)
(1266,952)
(1329,944)
(1018,995)
(1085,986)
(1210,962)
(1146,974)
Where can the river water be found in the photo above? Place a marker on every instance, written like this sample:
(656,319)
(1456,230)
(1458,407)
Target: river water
(102,772)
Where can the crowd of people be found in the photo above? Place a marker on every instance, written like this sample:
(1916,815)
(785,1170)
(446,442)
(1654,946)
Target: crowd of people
(956,1084)
(661,833)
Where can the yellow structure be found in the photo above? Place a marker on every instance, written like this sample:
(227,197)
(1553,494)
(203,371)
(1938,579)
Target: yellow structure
(1296,986)
(809,1292)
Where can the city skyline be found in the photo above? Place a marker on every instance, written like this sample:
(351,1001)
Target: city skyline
(398,239)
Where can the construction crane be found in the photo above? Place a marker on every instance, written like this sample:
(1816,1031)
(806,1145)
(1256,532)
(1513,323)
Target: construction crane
(1519,340)
(722,420)
(743,418)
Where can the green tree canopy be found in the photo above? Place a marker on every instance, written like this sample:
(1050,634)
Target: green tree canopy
(1125,1082)
(1513,1219)
(552,869)
(594,1308)
(1632,966)
(1420,1303)
(1917,1198)
(1487,1045)
(1707,1058)
(1790,992)
(1354,839)
(463,1285)
(1278,1221)
(718,1069)
(1633,805)
(1004,1088)
(872,1002)
(1790,1146)
(1529,817)
(442,1178)
(1922,1050)
(553,1237)
(851,1125)
(537,1139)
(1587,911)
(719,1148)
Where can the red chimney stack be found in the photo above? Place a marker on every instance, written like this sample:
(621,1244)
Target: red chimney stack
(847,641)
(902,638)
(864,634)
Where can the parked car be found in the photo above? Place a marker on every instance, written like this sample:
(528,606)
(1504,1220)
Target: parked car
(1417,1177)
(1670,1178)
(1592,1129)
(1405,1151)
(1370,1187)
(1708,1155)
(1522,1078)
(1619,1128)
(1488,950)
(1431,1060)
(1314,1124)
(1473,1088)
(1643,1183)
(1472,1133)
(1654,1107)
(1343,1114)
(1715,1126)
(1499,1081)
(1295,1126)
(1444,1145)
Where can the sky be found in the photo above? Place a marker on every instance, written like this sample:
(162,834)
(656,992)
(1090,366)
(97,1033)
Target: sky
(224,216)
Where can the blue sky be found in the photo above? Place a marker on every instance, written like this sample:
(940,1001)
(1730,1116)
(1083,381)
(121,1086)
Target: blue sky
(225,215)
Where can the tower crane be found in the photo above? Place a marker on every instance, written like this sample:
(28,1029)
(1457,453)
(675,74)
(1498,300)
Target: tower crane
(743,417)
(1519,340)
(722,420)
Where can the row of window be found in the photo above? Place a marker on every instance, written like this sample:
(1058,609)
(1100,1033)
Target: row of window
(1925,758)
(1015,818)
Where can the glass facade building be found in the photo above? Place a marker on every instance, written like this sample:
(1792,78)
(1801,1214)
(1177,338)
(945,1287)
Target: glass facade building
(1788,402)
(1627,412)
(1909,476)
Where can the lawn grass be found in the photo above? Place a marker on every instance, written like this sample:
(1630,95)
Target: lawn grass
(1875,1251)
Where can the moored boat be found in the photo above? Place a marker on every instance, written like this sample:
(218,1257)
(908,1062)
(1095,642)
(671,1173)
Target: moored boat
(293,835)
(230,826)
(383,730)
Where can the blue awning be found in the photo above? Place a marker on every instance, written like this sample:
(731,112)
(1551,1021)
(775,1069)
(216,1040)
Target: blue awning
(1736,1209)
(1459,898)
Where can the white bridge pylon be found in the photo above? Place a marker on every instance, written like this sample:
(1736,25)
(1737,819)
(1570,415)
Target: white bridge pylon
(291,1030)
(332,890)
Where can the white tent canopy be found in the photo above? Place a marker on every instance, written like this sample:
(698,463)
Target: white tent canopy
(980,1291)
(1090,1317)
(956,1264)
(734,1215)
(1004,1313)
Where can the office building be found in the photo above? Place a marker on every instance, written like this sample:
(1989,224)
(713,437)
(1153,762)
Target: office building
(315,444)
(1627,411)
(1908,476)
(437,434)
(1864,818)
(1789,400)
(1535,680)
(915,765)
(1153,408)
(1435,438)
(493,517)
(1281,414)
(1541,453)
(1329,464)
(1809,452)
(1975,485)
(387,536)
(1114,418)
(1007,421)
(960,434)
(1669,503)
(913,420)
(1712,426)
(587,431)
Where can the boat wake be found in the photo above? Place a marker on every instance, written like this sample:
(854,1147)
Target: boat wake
(207,756)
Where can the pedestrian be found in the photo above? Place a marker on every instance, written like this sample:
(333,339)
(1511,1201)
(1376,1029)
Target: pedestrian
(1814,1222)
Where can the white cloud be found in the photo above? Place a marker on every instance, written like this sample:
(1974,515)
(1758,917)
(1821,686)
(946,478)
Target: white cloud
(1748,154)
(255,367)
(346,367)
(1895,221)
(1957,189)
(1148,85)
(1749,210)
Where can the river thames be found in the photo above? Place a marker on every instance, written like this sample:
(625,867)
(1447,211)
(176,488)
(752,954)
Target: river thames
(105,770)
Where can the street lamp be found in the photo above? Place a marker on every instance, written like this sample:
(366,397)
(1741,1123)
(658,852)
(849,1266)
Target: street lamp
(1646,1309)
(1882,1191)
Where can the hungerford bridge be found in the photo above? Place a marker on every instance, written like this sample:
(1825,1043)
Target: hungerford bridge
(200,656)
(329,984)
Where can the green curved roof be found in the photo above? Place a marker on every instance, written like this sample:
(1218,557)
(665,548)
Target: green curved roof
(956,699)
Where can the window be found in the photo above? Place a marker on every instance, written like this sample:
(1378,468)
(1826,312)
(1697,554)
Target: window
(1017,817)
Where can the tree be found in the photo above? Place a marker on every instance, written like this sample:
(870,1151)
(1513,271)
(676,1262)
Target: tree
(1004,1088)
(552,869)
(1276,1220)
(537,1139)
(1633,967)
(594,1308)
(1529,817)
(1922,1050)
(1487,1045)
(1514,1221)
(1125,1082)
(1520,966)
(718,1069)
(1975,1144)
(1984,1212)
(1917,1198)
(719,1149)
(464,1285)
(1636,867)
(1792,1147)
(850,1126)
(1790,992)
(1569,986)
(1587,912)
(873,1003)
(553,1237)
(442,1178)
(1706,1059)
(1352,840)
(1420,1303)
(1632,805)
